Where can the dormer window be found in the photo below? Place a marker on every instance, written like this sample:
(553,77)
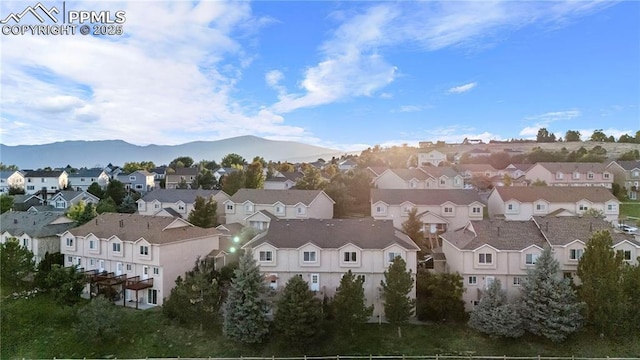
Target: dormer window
(448,210)
(350,256)
(116,247)
(575,254)
(576,175)
(476,210)
(559,176)
(301,210)
(606,176)
(132,178)
(309,256)
(69,242)
(530,259)
(229,207)
(279,209)
(541,207)
(92,244)
(590,176)
(144,250)
(248,208)
(443,182)
(485,258)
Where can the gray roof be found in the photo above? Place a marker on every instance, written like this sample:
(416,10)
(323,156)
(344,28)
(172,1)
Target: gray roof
(569,167)
(17,199)
(87,173)
(185,171)
(172,212)
(500,234)
(476,167)
(135,226)
(438,171)
(408,174)
(570,194)
(270,197)
(629,165)
(175,195)
(333,234)
(44,173)
(4,174)
(72,194)
(425,196)
(561,230)
(34,224)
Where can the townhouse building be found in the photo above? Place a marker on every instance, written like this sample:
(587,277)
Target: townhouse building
(521,203)
(141,181)
(68,198)
(438,209)
(282,180)
(322,251)
(179,202)
(570,174)
(248,206)
(36,231)
(627,175)
(433,158)
(147,252)
(81,180)
(45,182)
(181,175)
(11,179)
(427,177)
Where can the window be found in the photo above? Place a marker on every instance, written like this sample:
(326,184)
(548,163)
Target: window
(128,267)
(144,250)
(115,247)
(266,256)
(25,242)
(583,207)
(279,209)
(590,176)
(156,205)
(379,209)
(448,210)
(612,207)
(81,179)
(443,182)
(517,281)
(406,209)
(301,210)
(456,181)
(309,256)
(392,256)
(349,256)
(636,173)
(576,175)
(575,254)
(248,208)
(92,244)
(181,207)
(476,210)
(531,259)
(140,206)
(152,297)
(606,176)
(31,187)
(156,271)
(92,262)
(60,204)
(42,180)
(625,254)
(230,207)
(559,176)
(132,178)
(472,280)
(541,207)
(412,184)
(485,258)
(69,242)
(510,207)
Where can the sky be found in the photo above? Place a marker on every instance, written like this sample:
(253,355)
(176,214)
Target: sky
(345,75)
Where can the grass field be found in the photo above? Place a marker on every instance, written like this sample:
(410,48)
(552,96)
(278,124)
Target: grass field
(38,328)
(630,209)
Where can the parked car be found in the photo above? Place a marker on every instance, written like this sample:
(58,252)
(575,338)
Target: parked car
(628,228)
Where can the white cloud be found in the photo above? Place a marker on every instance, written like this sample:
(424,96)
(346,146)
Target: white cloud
(545,120)
(462,88)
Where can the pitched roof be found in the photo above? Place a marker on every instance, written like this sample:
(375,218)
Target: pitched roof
(269,197)
(571,194)
(629,165)
(135,226)
(34,224)
(522,167)
(175,195)
(438,171)
(44,173)
(425,196)
(290,175)
(185,171)
(570,167)
(87,173)
(72,194)
(476,167)
(561,230)
(333,234)
(377,170)
(17,199)
(498,233)
(408,174)
(4,174)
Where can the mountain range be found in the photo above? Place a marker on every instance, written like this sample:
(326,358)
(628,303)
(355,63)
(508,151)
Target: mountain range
(100,153)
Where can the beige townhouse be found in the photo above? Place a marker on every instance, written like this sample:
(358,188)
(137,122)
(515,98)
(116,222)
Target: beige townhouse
(186,175)
(11,179)
(147,253)
(248,206)
(426,177)
(521,203)
(627,175)
(179,202)
(321,251)
(570,174)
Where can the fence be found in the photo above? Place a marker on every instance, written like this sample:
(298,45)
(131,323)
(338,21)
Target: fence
(407,357)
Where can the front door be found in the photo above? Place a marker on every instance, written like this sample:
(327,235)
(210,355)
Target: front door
(101,265)
(315,282)
(145,272)
(152,297)
(119,268)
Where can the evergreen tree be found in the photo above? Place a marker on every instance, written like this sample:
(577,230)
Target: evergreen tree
(600,272)
(203,213)
(88,213)
(349,304)
(197,298)
(96,190)
(298,318)
(494,316)
(254,179)
(396,286)
(549,306)
(16,263)
(182,184)
(413,228)
(439,296)
(116,191)
(244,311)
(128,205)
(65,284)
(338,191)
(106,205)
(6,203)
(99,321)
(631,286)
(233,182)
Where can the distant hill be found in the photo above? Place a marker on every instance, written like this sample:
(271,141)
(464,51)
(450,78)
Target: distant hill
(117,152)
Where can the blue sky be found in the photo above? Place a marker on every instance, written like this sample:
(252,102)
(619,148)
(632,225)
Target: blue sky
(345,75)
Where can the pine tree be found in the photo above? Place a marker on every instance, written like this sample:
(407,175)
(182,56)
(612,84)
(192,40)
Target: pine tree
(88,213)
(600,272)
(16,262)
(349,304)
(244,311)
(494,316)
(396,286)
(128,205)
(203,213)
(549,306)
(298,317)
(413,228)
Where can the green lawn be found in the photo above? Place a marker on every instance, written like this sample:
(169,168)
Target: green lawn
(630,209)
(38,328)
